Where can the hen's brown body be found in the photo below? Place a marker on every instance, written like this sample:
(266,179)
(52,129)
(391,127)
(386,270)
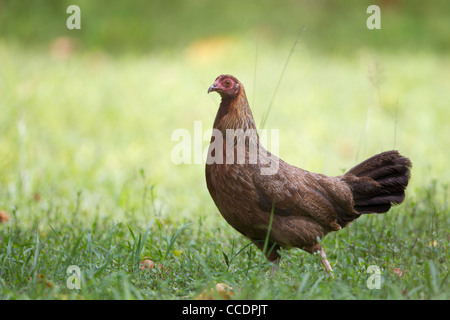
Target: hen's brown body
(305,205)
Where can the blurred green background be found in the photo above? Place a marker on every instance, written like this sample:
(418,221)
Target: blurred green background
(93,110)
(141,26)
(86,124)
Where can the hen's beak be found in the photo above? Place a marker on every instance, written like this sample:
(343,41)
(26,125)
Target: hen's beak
(212,88)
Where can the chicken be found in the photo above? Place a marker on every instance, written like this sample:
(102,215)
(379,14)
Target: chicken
(289,206)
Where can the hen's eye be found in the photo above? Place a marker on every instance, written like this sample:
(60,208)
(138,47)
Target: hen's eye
(227,83)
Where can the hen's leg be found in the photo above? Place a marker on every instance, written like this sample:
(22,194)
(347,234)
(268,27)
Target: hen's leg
(325,262)
(316,248)
(271,254)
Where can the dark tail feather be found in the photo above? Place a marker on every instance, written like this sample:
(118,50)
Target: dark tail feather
(379,182)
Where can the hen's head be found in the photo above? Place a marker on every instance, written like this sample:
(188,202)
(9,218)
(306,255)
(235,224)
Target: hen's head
(226,85)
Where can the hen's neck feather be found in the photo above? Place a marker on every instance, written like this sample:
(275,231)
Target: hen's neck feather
(234,113)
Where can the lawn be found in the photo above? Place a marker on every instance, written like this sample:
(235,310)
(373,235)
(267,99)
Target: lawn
(87,176)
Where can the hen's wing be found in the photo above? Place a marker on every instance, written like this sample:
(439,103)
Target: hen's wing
(299,193)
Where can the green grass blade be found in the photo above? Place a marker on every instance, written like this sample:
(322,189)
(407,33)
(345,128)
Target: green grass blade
(173,238)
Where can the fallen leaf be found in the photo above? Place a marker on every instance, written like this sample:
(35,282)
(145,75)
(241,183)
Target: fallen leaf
(399,271)
(433,243)
(36,197)
(62,48)
(146,264)
(207,50)
(221,290)
(3,216)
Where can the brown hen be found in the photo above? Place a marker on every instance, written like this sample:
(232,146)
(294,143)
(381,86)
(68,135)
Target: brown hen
(260,195)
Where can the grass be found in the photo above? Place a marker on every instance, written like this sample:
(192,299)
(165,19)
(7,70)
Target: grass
(34,259)
(87,178)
